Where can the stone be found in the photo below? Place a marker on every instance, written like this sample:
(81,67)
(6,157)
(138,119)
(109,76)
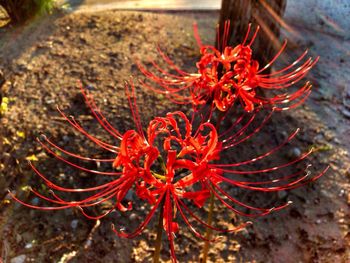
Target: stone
(129,195)
(282,194)
(19,259)
(74,224)
(133,216)
(293,153)
(346,112)
(35,201)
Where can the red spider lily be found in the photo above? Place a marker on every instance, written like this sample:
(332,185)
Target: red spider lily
(229,76)
(173,164)
(192,157)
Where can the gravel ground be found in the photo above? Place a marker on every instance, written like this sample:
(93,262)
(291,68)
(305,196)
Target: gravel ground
(42,62)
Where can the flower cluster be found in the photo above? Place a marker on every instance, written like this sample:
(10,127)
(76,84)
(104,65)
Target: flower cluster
(176,164)
(231,75)
(171,165)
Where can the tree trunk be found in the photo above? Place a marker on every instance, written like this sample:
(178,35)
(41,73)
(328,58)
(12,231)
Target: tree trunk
(265,13)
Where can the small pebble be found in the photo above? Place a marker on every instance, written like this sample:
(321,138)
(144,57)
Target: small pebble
(19,259)
(88,244)
(129,195)
(18,238)
(336,140)
(346,112)
(90,87)
(74,224)
(284,134)
(319,138)
(28,245)
(282,194)
(133,216)
(49,101)
(295,152)
(35,201)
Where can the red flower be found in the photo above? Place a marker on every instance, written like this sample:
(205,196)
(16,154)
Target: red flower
(122,181)
(192,161)
(181,167)
(229,76)
(174,163)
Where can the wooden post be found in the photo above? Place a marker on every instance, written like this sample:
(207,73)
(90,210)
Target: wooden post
(265,13)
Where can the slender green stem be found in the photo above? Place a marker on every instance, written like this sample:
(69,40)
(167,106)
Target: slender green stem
(162,163)
(211,203)
(158,244)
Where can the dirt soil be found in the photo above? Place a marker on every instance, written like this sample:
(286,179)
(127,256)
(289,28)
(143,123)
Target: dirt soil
(42,62)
